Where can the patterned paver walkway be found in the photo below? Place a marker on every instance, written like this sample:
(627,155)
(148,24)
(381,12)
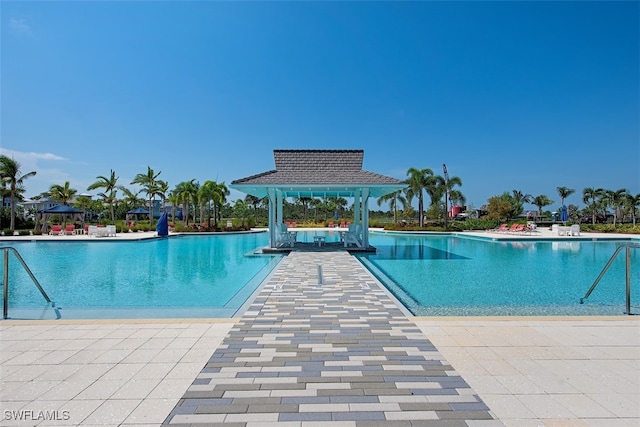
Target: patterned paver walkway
(324,344)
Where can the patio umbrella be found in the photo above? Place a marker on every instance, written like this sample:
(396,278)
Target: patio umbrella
(163,225)
(564,215)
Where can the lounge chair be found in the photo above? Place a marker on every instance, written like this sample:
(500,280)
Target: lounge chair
(574,230)
(516,228)
(70,230)
(284,236)
(502,229)
(56,230)
(353,236)
(111,230)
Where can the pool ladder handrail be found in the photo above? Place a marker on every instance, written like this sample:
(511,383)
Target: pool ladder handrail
(628,247)
(5,278)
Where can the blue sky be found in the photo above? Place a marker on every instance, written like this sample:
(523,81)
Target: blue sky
(511,95)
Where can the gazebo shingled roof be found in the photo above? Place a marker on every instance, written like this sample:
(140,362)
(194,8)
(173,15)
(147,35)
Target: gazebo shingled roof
(318,173)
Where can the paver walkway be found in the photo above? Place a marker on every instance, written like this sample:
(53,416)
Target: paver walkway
(325,346)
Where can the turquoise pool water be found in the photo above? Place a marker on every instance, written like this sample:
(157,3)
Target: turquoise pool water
(445,275)
(189,276)
(213,276)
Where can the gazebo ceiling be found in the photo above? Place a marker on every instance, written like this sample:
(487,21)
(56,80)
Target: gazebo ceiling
(318,173)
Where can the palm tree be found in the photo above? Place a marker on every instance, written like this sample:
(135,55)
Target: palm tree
(633,202)
(255,201)
(519,199)
(418,180)
(393,199)
(617,199)
(541,201)
(564,192)
(447,188)
(205,195)
(131,200)
(10,174)
(110,188)
(150,185)
(220,194)
(62,193)
(186,192)
(591,198)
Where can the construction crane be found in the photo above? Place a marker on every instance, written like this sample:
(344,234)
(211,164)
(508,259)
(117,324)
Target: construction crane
(446,195)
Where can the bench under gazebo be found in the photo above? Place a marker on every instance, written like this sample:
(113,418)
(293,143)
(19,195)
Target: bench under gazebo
(318,173)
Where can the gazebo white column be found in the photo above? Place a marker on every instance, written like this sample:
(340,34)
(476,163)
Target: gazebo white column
(279,199)
(357,219)
(272,217)
(365,217)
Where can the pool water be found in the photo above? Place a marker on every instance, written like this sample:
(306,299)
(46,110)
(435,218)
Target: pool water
(187,276)
(448,275)
(215,275)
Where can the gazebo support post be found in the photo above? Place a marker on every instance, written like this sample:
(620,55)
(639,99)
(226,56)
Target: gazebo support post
(272,217)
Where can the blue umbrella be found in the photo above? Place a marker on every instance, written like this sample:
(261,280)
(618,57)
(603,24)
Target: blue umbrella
(163,225)
(564,215)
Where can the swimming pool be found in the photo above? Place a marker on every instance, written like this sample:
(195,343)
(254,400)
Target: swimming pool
(186,276)
(214,275)
(450,275)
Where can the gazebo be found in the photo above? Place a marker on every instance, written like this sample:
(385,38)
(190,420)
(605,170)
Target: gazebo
(318,173)
(63,210)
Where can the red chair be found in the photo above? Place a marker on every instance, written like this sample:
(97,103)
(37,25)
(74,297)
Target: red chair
(56,230)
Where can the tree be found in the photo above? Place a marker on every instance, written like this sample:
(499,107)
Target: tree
(151,186)
(541,201)
(187,192)
(240,209)
(633,202)
(255,201)
(62,193)
(591,198)
(500,207)
(564,192)
(520,199)
(131,200)
(393,199)
(220,194)
(617,200)
(205,196)
(10,174)
(418,180)
(445,187)
(110,188)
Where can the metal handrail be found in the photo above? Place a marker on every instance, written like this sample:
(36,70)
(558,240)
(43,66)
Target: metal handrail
(628,247)
(5,277)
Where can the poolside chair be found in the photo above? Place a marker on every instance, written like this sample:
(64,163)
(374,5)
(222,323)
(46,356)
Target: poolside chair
(69,230)
(56,230)
(574,230)
(111,230)
(353,236)
(284,236)
(502,229)
(519,228)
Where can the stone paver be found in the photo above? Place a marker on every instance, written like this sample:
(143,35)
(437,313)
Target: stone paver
(339,352)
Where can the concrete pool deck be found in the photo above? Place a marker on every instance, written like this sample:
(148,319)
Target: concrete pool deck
(537,371)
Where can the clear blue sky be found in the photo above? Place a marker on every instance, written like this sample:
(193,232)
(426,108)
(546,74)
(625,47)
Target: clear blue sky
(510,95)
